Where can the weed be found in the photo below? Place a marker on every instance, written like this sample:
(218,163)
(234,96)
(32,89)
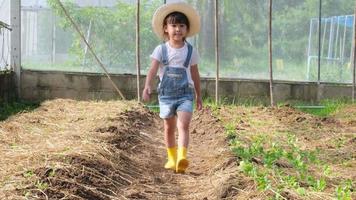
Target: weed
(301,191)
(28,174)
(41,185)
(52,173)
(230,131)
(269,154)
(343,191)
(329,107)
(279,165)
(8,109)
(153,107)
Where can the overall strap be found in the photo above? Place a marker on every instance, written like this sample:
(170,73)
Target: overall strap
(164,54)
(189,55)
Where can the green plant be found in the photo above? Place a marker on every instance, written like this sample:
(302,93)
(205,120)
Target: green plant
(328,107)
(318,184)
(301,191)
(230,131)
(28,174)
(262,150)
(343,191)
(52,173)
(41,185)
(8,109)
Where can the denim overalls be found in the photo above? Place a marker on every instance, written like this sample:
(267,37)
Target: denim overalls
(174,92)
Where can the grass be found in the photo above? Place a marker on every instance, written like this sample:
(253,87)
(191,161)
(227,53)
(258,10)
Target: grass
(8,109)
(153,107)
(324,109)
(278,158)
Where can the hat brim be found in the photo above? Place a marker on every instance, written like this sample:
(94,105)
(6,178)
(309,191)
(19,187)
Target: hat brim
(186,9)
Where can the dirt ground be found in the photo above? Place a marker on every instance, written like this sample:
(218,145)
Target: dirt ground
(109,150)
(68,149)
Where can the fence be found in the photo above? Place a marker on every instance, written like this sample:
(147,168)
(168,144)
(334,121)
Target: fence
(49,42)
(4,35)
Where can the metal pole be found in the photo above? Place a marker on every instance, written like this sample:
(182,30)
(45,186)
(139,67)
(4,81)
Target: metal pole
(319,41)
(86,47)
(343,42)
(318,95)
(354,60)
(15,42)
(331,38)
(309,47)
(216,51)
(351,46)
(90,49)
(53,59)
(270,52)
(324,36)
(138,50)
(337,37)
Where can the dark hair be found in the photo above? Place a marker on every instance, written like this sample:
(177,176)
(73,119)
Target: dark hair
(176,18)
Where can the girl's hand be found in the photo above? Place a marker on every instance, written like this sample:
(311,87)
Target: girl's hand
(199,103)
(146,93)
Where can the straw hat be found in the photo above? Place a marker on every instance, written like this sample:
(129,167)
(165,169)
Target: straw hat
(186,9)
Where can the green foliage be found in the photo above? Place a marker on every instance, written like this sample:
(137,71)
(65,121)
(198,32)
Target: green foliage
(8,109)
(41,185)
(153,107)
(243,36)
(343,191)
(112,33)
(261,160)
(230,131)
(330,106)
(28,174)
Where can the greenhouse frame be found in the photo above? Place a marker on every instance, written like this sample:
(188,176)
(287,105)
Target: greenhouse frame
(98,49)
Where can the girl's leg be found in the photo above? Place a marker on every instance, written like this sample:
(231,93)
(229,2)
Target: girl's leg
(183,123)
(169,130)
(169,137)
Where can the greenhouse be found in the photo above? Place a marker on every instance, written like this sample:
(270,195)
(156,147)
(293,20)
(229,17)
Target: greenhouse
(49,43)
(271,115)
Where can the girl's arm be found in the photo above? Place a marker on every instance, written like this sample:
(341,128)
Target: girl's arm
(150,75)
(196,79)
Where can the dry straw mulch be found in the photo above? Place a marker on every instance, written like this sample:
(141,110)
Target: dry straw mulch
(68,149)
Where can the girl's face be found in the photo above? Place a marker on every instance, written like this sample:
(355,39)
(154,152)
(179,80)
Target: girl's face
(176,32)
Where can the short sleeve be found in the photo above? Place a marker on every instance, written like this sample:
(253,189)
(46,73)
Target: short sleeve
(195,57)
(157,53)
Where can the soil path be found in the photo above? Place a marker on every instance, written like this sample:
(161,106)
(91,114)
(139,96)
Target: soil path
(212,171)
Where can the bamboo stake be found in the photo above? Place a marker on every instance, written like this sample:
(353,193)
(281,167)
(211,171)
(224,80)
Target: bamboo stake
(138,67)
(217,51)
(270,52)
(90,49)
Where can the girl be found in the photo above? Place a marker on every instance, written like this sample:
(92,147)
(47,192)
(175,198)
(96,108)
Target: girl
(177,62)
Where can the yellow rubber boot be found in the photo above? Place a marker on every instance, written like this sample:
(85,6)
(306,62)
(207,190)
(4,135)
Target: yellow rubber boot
(172,158)
(182,162)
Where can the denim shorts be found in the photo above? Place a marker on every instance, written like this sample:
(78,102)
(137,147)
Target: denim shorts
(170,105)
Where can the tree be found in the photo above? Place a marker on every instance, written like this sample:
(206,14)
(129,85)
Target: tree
(112,32)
